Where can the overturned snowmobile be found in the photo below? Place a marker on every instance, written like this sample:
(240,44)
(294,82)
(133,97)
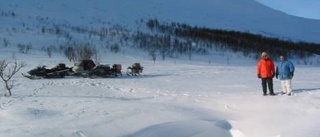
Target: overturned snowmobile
(84,68)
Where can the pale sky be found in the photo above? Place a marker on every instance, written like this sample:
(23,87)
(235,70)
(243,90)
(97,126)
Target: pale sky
(302,8)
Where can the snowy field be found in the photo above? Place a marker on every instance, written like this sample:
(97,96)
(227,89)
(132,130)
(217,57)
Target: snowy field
(170,99)
(218,95)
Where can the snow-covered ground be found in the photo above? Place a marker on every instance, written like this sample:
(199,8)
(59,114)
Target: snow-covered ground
(171,98)
(217,95)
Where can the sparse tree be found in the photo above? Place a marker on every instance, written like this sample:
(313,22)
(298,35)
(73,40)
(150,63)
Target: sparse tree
(24,48)
(7,71)
(115,48)
(84,52)
(5,42)
(189,49)
(153,55)
(69,52)
(49,52)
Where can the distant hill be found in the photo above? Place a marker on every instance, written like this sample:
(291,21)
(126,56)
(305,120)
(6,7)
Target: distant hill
(240,15)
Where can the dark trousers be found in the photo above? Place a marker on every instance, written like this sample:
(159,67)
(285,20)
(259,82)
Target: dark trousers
(265,82)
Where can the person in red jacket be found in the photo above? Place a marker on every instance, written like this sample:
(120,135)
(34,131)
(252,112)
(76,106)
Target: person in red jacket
(266,72)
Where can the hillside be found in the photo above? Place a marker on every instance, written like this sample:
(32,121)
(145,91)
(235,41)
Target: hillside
(241,15)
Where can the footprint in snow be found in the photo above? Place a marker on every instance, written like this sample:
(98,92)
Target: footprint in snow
(79,134)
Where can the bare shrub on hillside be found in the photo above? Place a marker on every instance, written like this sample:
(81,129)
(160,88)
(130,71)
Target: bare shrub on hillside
(115,48)
(82,51)
(49,50)
(153,55)
(85,52)
(7,14)
(6,42)
(24,48)
(70,53)
(7,71)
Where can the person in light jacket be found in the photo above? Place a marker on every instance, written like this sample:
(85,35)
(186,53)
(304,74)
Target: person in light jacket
(285,71)
(266,71)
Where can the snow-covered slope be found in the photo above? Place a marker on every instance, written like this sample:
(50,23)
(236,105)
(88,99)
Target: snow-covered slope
(242,15)
(215,97)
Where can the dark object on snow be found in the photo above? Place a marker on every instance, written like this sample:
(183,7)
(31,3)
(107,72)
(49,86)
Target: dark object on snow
(116,68)
(135,69)
(106,71)
(58,71)
(87,68)
(84,68)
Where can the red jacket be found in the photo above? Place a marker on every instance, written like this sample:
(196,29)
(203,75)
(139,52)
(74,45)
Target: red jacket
(265,68)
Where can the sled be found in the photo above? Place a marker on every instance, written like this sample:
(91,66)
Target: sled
(105,71)
(135,70)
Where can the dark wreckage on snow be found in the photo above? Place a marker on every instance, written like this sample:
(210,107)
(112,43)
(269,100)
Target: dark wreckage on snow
(83,68)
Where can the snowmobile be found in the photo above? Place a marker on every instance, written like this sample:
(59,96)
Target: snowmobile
(87,68)
(83,68)
(105,71)
(59,71)
(134,70)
